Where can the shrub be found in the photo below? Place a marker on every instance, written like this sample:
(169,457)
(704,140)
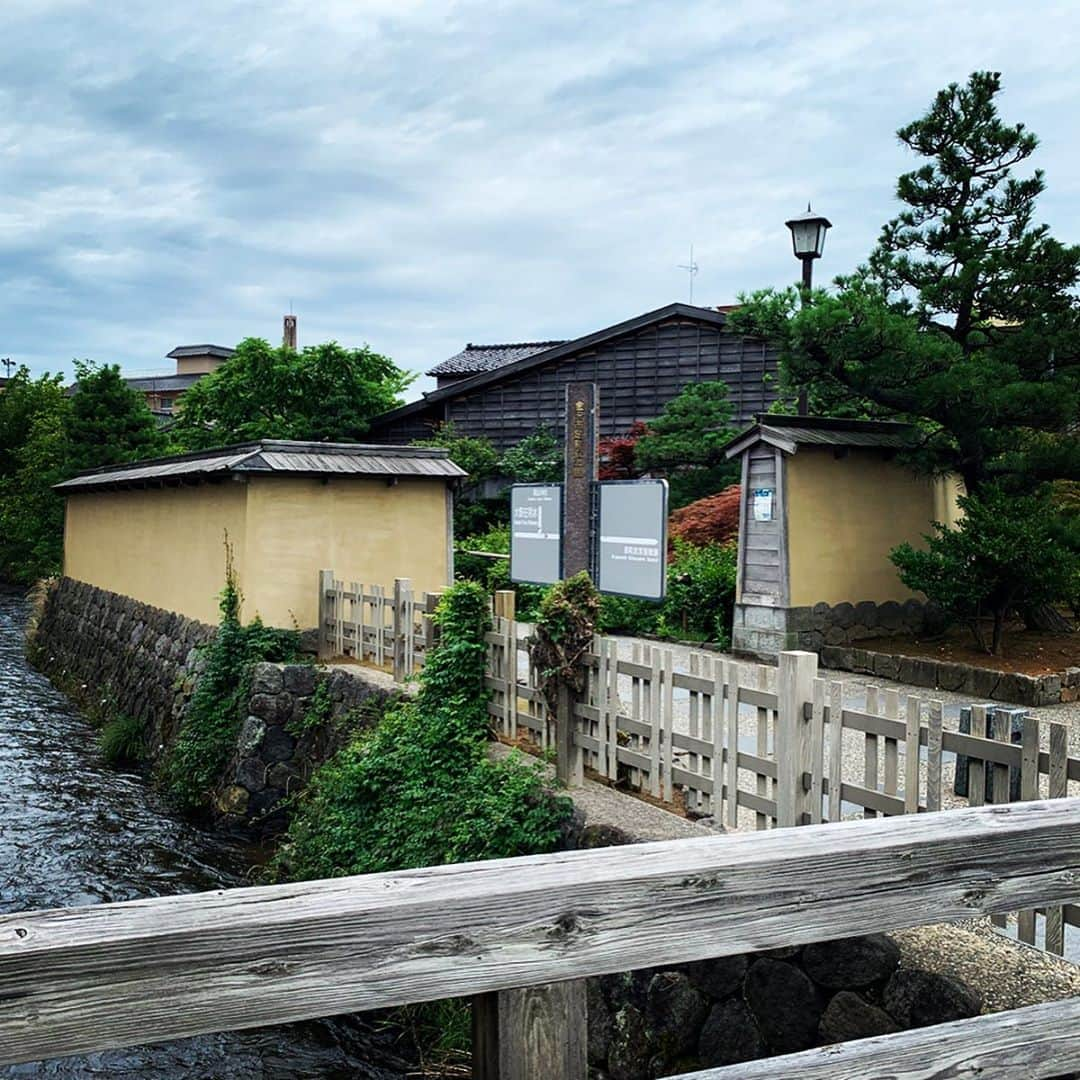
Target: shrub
(122,740)
(712,520)
(218,707)
(1005,552)
(537,459)
(420,789)
(495,573)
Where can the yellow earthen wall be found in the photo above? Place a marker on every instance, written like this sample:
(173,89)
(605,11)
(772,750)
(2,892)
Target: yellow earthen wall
(845,515)
(162,546)
(359,527)
(165,546)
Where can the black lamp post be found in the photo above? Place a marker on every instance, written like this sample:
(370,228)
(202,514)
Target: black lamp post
(808,242)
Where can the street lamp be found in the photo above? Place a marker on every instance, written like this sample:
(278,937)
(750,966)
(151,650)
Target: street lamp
(808,242)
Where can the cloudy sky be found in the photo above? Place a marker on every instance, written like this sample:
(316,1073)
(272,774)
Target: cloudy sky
(419,174)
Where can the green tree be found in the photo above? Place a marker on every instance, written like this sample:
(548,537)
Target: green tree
(964,319)
(31,513)
(1002,552)
(686,442)
(537,459)
(322,393)
(108,422)
(22,401)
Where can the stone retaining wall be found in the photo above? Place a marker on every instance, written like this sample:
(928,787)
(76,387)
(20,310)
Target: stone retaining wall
(763,631)
(115,655)
(981,683)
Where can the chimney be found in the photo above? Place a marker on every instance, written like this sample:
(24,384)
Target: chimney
(289,337)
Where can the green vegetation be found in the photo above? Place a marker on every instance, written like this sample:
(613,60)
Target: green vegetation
(494,574)
(322,393)
(699,603)
(122,741)
(685,443)
(47,436)
(563,633)
(218,706)
(965,321)
(537,459)
(419,789)
(1004,550)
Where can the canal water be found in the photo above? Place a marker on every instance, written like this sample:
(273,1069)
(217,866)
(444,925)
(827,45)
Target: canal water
(74,831)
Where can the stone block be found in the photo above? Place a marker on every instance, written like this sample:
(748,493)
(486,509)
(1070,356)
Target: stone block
(843,615)
(916,998)
(264,706)
(890,615)
(1071,677)
(786,1004)
(675,1011)
(950,676)
(849,1016)
(266,679)
(299,679)
(835,635)
(885,665)
(718,978)
(866,614)
(277,745)
(251,736)
(851,963)
(730,1035)
(251,774)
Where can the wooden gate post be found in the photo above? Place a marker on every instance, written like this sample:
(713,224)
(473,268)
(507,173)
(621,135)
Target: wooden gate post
(401,587)
(325,650)
(794,772)
(534,1032)
(569,761)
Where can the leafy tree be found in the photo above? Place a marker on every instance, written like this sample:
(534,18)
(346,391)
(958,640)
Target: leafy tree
(537,459)
(686,442)
(31,513)
(1003,550)
(323,393)
(22,401)
(108,422)
(964,319)
(617,453)
(477,456)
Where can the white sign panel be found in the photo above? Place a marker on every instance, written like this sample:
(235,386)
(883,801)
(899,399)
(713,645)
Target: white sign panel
(536,533)
(631,549)
(763,504)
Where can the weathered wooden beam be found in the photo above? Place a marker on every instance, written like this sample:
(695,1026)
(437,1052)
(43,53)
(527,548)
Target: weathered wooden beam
(1035,1043)
(536,1031)
(85,979)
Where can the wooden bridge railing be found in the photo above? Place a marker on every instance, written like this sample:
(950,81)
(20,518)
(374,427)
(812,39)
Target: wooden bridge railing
(521,933)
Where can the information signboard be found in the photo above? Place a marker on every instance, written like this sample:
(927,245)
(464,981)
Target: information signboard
(631,545)
(536,533)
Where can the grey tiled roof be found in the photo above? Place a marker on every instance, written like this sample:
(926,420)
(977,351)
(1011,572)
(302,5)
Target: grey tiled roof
(201,350)
(274,456)
(789,432)
(476,358)
(163,382)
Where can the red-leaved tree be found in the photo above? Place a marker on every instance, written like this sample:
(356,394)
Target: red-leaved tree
(617,453)
(712,520)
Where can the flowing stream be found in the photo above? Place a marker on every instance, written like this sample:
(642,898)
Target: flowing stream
(74,831)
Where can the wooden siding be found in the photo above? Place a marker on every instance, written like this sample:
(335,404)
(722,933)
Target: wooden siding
(763,570)
(637,375)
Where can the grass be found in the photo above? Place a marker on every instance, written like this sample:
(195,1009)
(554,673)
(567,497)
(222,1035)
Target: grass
(122,741)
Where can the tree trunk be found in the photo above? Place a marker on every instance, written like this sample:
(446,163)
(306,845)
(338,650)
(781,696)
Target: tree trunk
(999,631)
(1047,618)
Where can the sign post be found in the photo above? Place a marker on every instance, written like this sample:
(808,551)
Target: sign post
(631,542)
(536,533)
(581,426)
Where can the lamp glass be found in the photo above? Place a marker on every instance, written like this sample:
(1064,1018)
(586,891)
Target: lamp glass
(808,238)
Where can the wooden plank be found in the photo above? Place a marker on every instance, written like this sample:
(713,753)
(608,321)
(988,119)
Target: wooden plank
(611,699)
(933,755)
(1035,1043)
(892,746)
(530,1032)
(1057,788)
(326,585)
(870,749)
(836,748)
(111,975)
(913,727)
(732,681)
(795,676)
(654,724)
(1001,731)
(977,766)
(762,746)
(817,750)
(1029,790)
(668,707)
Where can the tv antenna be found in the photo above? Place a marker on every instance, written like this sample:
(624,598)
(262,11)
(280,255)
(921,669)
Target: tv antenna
(691,269)
(8,364)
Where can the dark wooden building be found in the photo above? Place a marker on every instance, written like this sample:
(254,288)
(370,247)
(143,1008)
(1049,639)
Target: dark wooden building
(505,392)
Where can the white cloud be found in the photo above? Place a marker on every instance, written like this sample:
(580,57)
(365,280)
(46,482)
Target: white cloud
(420,174)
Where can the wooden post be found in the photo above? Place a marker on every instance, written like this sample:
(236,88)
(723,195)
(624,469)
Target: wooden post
(569,766)
(505,603)
(795,688)
(582,421)
(326,613)
(537,1031)
(401,587)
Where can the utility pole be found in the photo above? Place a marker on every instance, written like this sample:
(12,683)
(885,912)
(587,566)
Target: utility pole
(8,365)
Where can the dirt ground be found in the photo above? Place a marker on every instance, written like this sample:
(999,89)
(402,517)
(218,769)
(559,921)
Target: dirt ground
(1024,651)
